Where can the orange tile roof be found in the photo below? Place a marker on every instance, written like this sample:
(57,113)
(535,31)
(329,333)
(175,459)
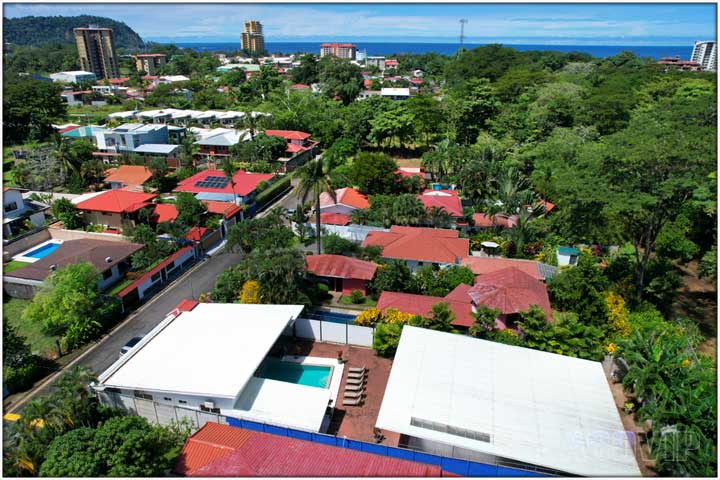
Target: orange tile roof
(227,209)
(422,244)
(164,212)
(334,219)
(130,175)
(117,201)
(196,233)
(287,134)
(346,196)
(339,266)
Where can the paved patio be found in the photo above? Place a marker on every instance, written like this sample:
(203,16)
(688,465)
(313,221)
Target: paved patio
(354,422)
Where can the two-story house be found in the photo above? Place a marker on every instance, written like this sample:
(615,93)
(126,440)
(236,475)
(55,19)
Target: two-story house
(17,211)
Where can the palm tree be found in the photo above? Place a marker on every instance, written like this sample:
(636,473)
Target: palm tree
(68,161)
(188,149)
(229,169)
(520,233)
(438,217)
(314,180)
(408,210)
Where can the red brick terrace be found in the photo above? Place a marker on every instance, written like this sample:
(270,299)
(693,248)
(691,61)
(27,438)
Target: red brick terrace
(354,422)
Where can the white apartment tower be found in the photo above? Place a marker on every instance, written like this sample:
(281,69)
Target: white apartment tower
(705,53)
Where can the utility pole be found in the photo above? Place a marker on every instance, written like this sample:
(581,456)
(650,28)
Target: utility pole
(463,21)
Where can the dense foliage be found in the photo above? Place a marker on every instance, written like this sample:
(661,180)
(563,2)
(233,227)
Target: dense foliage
(58,29)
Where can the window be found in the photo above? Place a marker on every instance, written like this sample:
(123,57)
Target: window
(141,394)
(107,274)
(155,277)
(9,207)
(170,266)
(182,401)
(167,399)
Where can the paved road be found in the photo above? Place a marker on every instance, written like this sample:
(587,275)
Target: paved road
(101,356)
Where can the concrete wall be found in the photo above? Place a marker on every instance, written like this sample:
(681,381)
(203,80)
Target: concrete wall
(320,331)
(113,220)
(63,234)
(14,289)
(12,249)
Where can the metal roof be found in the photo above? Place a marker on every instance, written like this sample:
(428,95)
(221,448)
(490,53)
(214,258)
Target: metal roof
(156,148)
(516,403)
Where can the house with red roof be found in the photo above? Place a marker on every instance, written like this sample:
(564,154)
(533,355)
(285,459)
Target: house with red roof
(501,221)
(163,212)
(510,291)
(213,185)
(447,200)
(339,219)
(420,246)
(299,86)
(340,273)
(299,150)
(225,451)
(113,209)
(128,176)
(485,265)
(346,201)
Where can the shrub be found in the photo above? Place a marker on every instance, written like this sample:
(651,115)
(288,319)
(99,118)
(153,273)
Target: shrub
(386,339)
(369,317)
(250,292)
(356,296)
(617,314)
(272,191)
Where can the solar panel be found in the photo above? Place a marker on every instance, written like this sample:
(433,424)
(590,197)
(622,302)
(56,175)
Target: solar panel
(213,181)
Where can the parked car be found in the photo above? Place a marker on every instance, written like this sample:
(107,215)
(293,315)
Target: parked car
(129,345)
(290,211)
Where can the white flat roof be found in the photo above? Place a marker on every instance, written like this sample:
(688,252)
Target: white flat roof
(212,350)
(535,407)
(282,403)
(395,91)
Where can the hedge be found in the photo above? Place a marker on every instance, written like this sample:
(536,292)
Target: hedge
(272,191)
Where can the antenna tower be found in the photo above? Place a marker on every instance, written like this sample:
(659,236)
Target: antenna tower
(463,21)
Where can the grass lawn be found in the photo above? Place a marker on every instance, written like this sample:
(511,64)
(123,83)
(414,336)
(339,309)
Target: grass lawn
(367,302)
(14,265)
(40,343)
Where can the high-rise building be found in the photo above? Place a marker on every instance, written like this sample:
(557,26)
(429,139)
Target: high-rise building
(96,47)
(705,53)
(252,38)
(340,50)
(149,62)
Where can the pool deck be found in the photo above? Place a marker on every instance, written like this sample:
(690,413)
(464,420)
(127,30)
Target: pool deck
(355,422)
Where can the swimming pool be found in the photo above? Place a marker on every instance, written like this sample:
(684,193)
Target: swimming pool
(310,375)
(333,317)
(38,252)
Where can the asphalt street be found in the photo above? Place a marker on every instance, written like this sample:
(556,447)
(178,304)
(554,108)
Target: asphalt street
(102,355)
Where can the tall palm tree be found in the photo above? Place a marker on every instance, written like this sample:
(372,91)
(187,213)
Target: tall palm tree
(68,161)
(229,169)
(314,180)
(438,217)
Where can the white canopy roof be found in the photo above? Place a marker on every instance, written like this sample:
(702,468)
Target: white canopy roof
(282,403)
(526,405)
(211,350)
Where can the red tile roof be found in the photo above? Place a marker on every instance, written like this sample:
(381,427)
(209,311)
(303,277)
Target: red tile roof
(486,265)
(334,219)
(288,134)
(164,212)
(346,196)
(444,199)
(422,304)
(299,86)
(196,233)
(118,81)
(117,201)
(245,182)
(339,266)
(221,451)
(511,291)
(483,220)
(227,209)
(130,175)
(422,244)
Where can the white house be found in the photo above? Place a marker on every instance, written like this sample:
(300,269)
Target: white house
(395,93)
(506,405)
(76,76)
(567,256)
(212,358)
(16,211)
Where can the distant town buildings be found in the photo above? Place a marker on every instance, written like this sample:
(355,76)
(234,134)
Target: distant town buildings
(96,48)
(340,50)
(376,61)
(149,63)
(680,64)
(705,53)
(77,76)
(252,38)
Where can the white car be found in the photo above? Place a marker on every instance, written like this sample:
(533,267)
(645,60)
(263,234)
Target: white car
(129,345)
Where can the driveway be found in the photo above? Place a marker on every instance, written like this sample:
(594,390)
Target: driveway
(99,357)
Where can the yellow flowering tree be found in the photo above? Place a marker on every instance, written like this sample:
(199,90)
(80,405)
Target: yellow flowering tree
(369,317)
(617,314)
(392,315)
(250,292)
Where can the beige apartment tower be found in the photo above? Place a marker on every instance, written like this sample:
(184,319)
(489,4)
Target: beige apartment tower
(149,63)
(252,38)
(96,47)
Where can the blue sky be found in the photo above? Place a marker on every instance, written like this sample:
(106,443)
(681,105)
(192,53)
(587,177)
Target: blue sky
(588,24)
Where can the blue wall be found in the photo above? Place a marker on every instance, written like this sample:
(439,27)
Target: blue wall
(460,467)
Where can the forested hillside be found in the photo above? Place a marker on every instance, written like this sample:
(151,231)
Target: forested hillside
(41,30)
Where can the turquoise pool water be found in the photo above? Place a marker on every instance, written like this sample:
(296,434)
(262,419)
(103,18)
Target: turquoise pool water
(310,375)
(43,251)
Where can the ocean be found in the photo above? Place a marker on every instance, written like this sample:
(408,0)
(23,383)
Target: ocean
(654,52)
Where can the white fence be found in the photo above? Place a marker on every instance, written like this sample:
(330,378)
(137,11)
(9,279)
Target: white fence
(323,331)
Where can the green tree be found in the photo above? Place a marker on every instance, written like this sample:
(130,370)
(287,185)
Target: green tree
(228,284)
(469,109)
(340,78)
(280,273)
(334,244)
(393,277)
(440,318)
(65,211)
(308,71)
(483,321)
(397,121)
(70,455)
(191,211)
(386,339)
(408,210)
(29,109)
(374,173)
(426,114)
(259,234)
(580,290)
(313,180)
